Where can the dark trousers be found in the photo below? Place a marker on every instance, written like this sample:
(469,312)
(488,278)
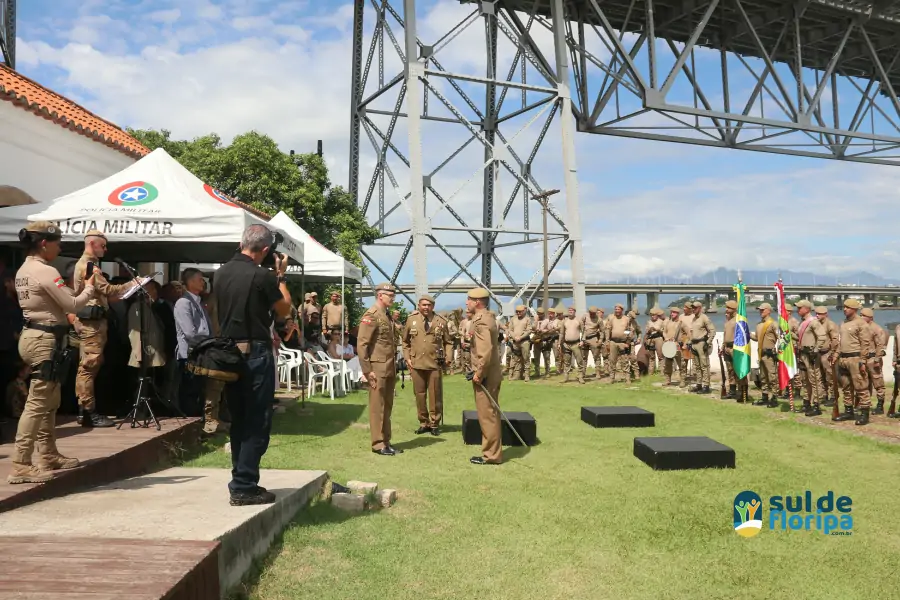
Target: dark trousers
(251,400)
(189,391)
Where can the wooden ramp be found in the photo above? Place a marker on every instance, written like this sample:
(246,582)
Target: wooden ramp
(74,568)
(107,454)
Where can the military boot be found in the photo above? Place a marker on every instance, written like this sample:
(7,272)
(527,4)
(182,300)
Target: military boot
(806,407)
(92,419)
(827,401)
(879,408)
(764,401)
(732,392)
(57,462)
(847,416)
(814,411)
(28,473)
(863,418)
(697,389)
(773,402)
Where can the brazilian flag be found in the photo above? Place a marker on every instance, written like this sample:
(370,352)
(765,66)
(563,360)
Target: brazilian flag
(741,356)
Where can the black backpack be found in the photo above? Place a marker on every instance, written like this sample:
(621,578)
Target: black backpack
(216,358)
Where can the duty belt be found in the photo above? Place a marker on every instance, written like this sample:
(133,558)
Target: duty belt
(620,341)
(849,354)
(698,340)
(57,330)
(572,341)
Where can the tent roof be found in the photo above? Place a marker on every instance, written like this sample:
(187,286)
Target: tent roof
(157,211)
(321,264)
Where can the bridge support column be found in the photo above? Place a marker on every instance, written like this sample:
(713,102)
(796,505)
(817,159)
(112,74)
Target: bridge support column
(652,301)
(840,301)
(894,300)
(630,301)
(869,300)
(807,297)
(711,303)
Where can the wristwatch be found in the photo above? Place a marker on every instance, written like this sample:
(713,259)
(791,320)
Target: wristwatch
(281,279)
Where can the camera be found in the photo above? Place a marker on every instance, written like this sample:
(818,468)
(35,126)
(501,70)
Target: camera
(269,260)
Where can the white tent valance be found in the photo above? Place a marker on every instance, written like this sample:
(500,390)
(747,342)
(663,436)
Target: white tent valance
(321,265)
(157,211)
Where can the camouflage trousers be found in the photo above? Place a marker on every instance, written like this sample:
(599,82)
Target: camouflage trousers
(541,350)
(571,352)
(520,361)
(592,348)
(620,361)
(669,368)
(93,340)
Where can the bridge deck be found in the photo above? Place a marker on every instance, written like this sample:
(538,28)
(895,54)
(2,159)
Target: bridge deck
(821,27)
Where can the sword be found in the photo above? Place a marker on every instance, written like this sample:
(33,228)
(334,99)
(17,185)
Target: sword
(470,376)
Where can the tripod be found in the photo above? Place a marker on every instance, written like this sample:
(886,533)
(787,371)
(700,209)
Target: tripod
(146,389)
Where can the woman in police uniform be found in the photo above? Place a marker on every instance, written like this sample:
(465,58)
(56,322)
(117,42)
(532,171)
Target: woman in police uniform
(45,302)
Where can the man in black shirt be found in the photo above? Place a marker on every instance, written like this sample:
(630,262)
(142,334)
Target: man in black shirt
(248,298)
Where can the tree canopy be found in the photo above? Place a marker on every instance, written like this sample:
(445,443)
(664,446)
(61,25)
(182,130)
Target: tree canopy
(255,171)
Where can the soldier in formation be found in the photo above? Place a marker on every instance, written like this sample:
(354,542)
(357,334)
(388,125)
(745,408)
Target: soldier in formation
(554,340)
(632,356)
(519,331)
(571,332)
(687,317)
(621,336)
(833,333)
(766,337)
(727,352)
(703,333)
(674,330)
(813,344)
(875,359)
(425,336)
(487,375)
(653,340)
(541,342)
(465,341)
(594,329)
(855,345)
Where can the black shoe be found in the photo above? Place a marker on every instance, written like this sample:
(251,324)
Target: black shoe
(847,416)
(894,415)
(879,408)
(773,402)
(697,389)
(337,488)
(814,410)
(827,402)
(395,450)
(385,452)
(705,389)
(479,460)
(80,418)
(732,393)
(764,401)
(422,430)
(435,431)
(258,496)
(92,419)
(863,418)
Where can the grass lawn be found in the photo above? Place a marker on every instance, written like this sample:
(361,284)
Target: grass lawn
(577,516)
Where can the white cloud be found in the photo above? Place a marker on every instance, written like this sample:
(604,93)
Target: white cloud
(165,16)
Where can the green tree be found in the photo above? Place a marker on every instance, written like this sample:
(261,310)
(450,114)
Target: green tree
(255,171)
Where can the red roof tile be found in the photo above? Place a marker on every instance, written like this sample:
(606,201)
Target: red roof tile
(35,98)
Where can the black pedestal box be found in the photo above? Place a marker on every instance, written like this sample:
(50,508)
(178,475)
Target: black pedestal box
(675,453)
(522,421)
(617,416)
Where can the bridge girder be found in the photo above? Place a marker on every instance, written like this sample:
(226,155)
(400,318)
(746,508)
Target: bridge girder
(8,32)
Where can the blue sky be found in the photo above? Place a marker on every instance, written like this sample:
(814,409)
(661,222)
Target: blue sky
(283,68)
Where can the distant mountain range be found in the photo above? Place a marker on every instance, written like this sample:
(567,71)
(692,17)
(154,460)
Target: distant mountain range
(723,275)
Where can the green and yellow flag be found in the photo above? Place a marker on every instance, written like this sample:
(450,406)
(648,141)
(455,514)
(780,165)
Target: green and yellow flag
(741,356)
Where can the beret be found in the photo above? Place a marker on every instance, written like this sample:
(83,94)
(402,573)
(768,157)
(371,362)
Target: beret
(479,293)
(381,287)
(852,303)
(731,304)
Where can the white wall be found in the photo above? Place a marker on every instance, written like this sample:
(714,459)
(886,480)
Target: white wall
(47,160)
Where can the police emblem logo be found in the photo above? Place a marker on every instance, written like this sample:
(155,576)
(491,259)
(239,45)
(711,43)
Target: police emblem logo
(135,193)
(220,196)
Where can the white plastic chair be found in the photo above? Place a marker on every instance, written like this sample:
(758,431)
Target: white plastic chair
(319,370)
(289,362)
(338,367)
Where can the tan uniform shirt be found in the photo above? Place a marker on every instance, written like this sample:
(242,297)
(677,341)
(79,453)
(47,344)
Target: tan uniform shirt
(553,328)
(834,335)
(814,336)
(702,330)
(687,320)
(856,336)
(43,294)
(618,329)
(544,328)
(879,339)
(655,333)
(593,328)
(674,331)
(728,335)
(333,314)
(376,341)
(794,324)
(485,347)
(766,335)
(309,309)
(104,288)
(422,339)
(571,330)
(519,329)
(465,332)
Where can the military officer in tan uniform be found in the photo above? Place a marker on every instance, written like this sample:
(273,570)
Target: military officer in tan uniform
(91,325)
(632,356)
(594,330)
(554,339)
(727,352)
(571,335)
(653,340)
(703,333)
(424,338)
(875,358)
(45,302)
(377,350)
(794,325)
(465,342)
(834,342)
(519,330)
(766,336)
(333,314)
(674,330)
(856,344)
(689,364)
(487,372)
(621,336)
(812,340)
(450,362)
(540,344)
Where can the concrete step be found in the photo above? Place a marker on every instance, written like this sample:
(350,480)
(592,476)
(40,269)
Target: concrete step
(175,504)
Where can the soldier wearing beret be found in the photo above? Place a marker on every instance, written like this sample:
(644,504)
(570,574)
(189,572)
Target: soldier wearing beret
(594,328)
(703,332)
(632,356)
(727,354)
(766,337)
(554,339)
(687,318)
(487,375)
(540,342)
(45,302)
(653,340)
(812,341)
(519,330)
(674,330)
(377,350)
(834,340)
(571,333)
(465,341)
(794,326)
(875,358)
(855,345)
(91,324)
(424,338)
(621,336)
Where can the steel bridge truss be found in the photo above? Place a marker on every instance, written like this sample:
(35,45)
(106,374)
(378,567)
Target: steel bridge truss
(8,32)
(812,78)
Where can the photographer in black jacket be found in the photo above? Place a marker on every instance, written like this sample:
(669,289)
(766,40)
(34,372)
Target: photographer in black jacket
(248,297)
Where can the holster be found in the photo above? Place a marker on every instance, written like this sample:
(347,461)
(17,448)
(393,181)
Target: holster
(91,313)
(59,367)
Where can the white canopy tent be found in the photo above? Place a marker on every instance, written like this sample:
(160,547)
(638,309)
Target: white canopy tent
(14,218)
(321,265)
(157,211)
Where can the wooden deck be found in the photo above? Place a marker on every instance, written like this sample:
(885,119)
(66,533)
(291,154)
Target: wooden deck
(107,455)
(60,568)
